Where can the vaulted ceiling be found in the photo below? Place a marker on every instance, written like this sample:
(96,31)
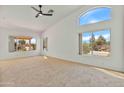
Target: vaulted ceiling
(23,16)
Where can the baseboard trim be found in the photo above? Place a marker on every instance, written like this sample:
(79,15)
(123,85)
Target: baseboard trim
(88,65)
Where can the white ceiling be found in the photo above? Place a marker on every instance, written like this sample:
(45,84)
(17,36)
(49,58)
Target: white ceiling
(24,16)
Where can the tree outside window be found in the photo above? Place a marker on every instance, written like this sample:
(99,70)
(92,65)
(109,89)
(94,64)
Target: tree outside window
(96,43)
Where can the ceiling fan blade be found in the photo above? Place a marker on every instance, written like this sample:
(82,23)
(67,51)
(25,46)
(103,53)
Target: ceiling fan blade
(50,11)
(47,14)
(37,15)
(35,9)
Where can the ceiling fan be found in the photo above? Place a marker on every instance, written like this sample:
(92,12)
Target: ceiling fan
(40,12)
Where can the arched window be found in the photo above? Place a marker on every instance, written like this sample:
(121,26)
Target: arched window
(95,15)
(95,42)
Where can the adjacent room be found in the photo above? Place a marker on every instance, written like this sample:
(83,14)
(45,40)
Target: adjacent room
(61,46)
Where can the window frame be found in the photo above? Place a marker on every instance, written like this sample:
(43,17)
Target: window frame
(80,43)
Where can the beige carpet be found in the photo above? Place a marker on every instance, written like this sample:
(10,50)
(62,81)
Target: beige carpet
(36,71)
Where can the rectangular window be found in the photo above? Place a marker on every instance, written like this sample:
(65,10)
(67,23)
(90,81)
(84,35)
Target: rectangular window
(45,43)
(21,43)
(96,43)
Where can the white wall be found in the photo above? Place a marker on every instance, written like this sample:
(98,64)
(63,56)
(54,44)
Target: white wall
(63,39)
(4,42)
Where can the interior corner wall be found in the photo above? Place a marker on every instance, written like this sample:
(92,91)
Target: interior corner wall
(4,41)
(63,39)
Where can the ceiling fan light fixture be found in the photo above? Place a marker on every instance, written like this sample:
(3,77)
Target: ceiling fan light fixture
(40,15)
